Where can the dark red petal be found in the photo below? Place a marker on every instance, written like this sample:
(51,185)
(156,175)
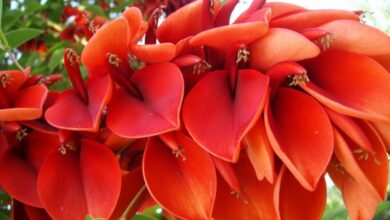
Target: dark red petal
(384,131)
(82,182)
(162,90)
(36,213)
(81,116)
(312,18)
(111,38)
(268,50)
(192,181)
(26,162)
(293,202)
(26,104)
(181,24)
(224,36)
(226,170)
(260,152)
(255,201)
(294,134)
(216,119)
(335,72)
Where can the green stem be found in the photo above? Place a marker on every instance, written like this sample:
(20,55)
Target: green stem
(132,203)
(7,48)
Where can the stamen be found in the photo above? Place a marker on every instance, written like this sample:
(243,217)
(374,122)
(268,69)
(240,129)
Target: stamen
(21,133)
(325,41)
(201,67)
(239,195)
(64,147)
(338,167)
(300,79)
(134,62)
(364,155)
(5,80)
(242,54)
(363,16)
(211,7)
(179,153)
(73,58)
(92,27)
(114,60)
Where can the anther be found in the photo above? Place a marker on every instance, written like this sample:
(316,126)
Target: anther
(73,58)
(211,7)
(338,167)
(201,67)
(239,195)
(64,147)
(92,27)
(5,80)
(114,60)
(242,55)
(365,155)
(325,41)
(300,79)
(21,133)
(179,153)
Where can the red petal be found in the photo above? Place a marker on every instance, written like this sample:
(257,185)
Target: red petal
(335,72)
(79,183)
(154,53)
(133,17)
(253,202)
(292,201)
(280,45)
(226,170)
(162,89)
(260,152)
(312,18)
(350,128)
(282,9)
(370,171)
(356,37)
(384,131)
(26,162)
(81,116)
(108,39)
(218,121)
(26,104)
(132,184)
(192,182)
(15,80)
(294,134)
(181,24)
(224,36)
(36,213)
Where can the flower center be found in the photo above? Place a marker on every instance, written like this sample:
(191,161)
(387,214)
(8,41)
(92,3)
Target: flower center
(21,133)
(5,80)
(63,149)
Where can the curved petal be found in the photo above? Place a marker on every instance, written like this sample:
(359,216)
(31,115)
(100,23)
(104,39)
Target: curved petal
(26,104)
(81,116)
(34,213)
(384,131)
(356,37)
(193,181)
(181,24)
(162,89)
(280,9)
(226,170)
(26,162)
(154,53)
(280,45)
(12,80)
(312,18)
(366,82)
(108,39)
(216,119)
(260,152)
(370,169)
(224,36)
(81,182)
(255,201)
(133,17)
(294,134)
(291,198)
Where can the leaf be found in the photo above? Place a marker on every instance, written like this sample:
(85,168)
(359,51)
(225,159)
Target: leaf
(383,211)
(18,37)
(89,217)
(95,10)
(142,217)
(3,217)
(1,11)
(56,59)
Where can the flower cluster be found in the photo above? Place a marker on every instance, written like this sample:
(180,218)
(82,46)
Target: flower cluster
(208,118)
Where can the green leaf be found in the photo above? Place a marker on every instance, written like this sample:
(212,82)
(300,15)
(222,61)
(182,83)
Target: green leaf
(56,59)
(61,44)
(383,211)
(95,10)
(142,217)
(89,217)
(18,37)
(3,217)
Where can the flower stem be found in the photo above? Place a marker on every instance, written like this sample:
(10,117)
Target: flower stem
(132,203)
